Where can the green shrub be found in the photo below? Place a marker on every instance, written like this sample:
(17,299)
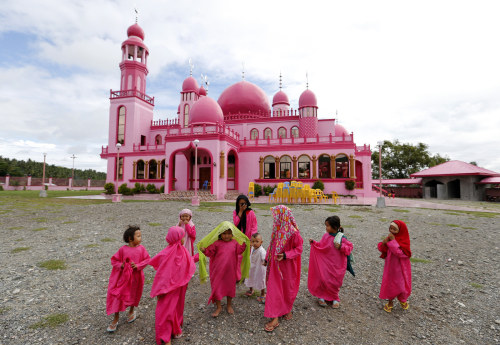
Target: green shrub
(123,189)
(162,189)
(257,190)
(109,188)
(151,188)
(350,184)
(268,189)
(137,188)
(318,185)
(1,188)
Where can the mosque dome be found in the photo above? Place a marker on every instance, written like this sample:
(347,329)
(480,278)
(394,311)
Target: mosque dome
(340,130)
(308,99)
(280,98)
(190,85)
(135,30)
(202,91)
(244,97)
(205,111)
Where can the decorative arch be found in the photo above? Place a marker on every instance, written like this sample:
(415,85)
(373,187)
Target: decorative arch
(268,133)
(158,139)
(140,169)
(254,134)
(285,167)
(324,166)
(304,166)
(120,124)
(282,132)
(162,169)
(232,170)
(186,115)
(152,169)
(342,165)
(269,167)
(294,132)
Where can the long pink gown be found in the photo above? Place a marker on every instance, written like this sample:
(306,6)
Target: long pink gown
(283,284)
(223,268)
(396,280)
(251,229)
(327,266)
(126,284)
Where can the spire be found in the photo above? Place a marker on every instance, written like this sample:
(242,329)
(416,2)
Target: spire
(281,85)
(191,67)
(307,81)
(136,14)
(243,71)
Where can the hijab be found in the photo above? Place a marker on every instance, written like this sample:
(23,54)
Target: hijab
(402,237)
(242,225)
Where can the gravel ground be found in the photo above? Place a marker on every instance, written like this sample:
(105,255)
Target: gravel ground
(455,281)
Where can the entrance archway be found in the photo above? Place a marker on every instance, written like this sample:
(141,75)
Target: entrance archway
(232,170)
(454,189)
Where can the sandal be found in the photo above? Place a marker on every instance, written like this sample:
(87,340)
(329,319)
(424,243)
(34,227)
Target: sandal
(131,318)
(335,304)
(388,308)
(288,316)
(261,299)
(271,328)
(404,305)
(322,302)
(249,293)
(112,327)
(177,336)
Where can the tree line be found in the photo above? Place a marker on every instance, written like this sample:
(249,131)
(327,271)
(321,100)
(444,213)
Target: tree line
(14,167)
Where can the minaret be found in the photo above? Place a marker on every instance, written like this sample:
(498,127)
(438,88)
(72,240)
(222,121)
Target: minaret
(189,95)
(281,105)
(134,60)
(308,113)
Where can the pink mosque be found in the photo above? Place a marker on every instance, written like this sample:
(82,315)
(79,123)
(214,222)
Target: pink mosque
(242,137)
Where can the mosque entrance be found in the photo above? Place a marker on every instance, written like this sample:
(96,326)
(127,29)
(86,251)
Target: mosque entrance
(454,189)
(204,178)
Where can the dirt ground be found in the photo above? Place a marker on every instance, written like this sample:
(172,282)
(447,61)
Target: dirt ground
(455,269)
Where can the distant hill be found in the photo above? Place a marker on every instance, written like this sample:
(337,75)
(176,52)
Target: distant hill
(14,167)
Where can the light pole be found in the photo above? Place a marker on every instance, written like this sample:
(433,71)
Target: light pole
(43,192)
(195,201)
(73,170)
(380,199)
(117,196)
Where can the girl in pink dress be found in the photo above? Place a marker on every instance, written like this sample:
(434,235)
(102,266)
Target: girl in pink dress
(223,254)
(328,264)
(127,278)
(185,222)
(283,261)
(245,220)
(174,268)
(396,281)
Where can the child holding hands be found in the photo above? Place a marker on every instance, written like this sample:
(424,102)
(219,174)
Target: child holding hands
(126,281)
(257,276)
(328,263)
(222,246)
(396,280)
(186,223)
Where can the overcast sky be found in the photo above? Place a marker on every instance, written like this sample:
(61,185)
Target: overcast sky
(417,71)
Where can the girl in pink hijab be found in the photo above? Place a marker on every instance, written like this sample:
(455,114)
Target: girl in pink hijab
(283,261)
(185,222)
(174,268)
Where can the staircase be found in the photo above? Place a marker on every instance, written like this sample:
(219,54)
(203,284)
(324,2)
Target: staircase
(187,195)
(232,195)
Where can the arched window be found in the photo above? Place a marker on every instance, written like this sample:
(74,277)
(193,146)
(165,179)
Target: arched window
(153,166)
(282,132)
(294,132)
(285,167)
(341,166)
(120,169)
(269,167)
(140,170)
(120,134)
(268,133)
(162,169)
(186,115)
(304,163)
(158,140)
(324,166)
(254,134)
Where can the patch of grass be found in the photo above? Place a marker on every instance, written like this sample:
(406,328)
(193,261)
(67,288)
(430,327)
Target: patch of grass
(213,204)
(107,239)
(19,239)
(400,210)
(40,219)
(70,222)
(436,224)
(453,225)
(73,238)
(92,245)
(476,285)
(469,228)
(363,209)
(265,215)
(384,220)
(417,260)
(3,310)
(309,209)
(334,208)
(51,321)
(53,264)
(16,227)
(40,229)
(212,209)
(155,224)
(19,249)
(348,226)
(355,216)
(453,213)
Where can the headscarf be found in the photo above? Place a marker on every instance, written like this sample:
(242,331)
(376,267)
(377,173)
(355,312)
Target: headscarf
(402,237)
(188,243)
(242,225)
(214,236)
(190,213)
(174,266)
(284,226)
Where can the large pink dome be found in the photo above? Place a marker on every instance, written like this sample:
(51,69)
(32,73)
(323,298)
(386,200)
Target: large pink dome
(339,130)
(308,99)
(280,98)
(244,97)
(190,85)
(206,111)
(135,30)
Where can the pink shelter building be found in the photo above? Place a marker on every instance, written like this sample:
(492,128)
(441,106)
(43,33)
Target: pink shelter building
(242,137)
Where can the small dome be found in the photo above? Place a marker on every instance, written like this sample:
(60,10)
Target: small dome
(206,111)
(308,99)
(340,130)
(280,98)
(244,97)
(190,85)
(135,30)
(202,91)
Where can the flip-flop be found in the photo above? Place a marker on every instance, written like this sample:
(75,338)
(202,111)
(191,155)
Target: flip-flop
(321,302)
(404,305)
(288,316)
(134,316)
(261,299)
(248,293)
(387,308)
(335,304)
(177,336)
(272,328)
(112,328)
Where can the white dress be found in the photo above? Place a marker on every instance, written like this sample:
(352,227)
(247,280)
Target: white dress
(257,275)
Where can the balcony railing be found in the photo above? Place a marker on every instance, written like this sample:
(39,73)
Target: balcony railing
(205,129)
(284,141)
(131,93)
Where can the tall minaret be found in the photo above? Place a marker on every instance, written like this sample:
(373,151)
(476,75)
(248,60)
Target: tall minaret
(134,60)
(308,113)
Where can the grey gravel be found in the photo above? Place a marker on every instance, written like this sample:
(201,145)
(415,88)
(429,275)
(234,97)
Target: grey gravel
(455,297)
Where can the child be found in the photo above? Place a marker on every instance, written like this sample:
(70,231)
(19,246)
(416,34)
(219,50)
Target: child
(396,280)
(257,275)
(222,246)
(127,278)
(328,263)
(187,224)
(283,266)
(174,268)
